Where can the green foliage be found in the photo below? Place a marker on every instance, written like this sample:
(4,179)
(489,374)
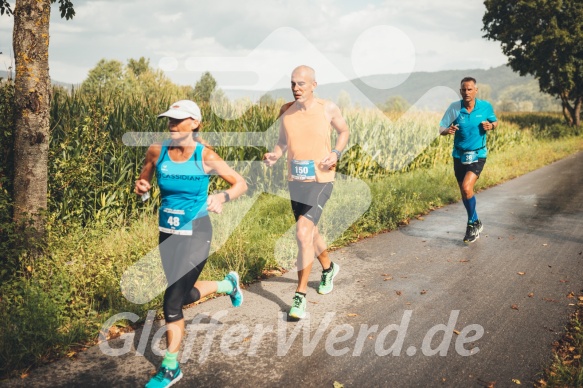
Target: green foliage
(395,104)
(543,38)
(484,92)
(5,7)
(204,88)
(344,101)
(106,76)
(139,66)
(526,98)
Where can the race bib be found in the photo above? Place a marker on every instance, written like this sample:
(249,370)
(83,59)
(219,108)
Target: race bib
(469,157)
(302,170)
(175,221)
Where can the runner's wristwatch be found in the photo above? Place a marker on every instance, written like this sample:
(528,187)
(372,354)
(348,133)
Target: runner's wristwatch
(227,196)
(338,153)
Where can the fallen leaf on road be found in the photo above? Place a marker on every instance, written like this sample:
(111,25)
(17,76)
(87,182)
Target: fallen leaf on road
(423,292)
(386,274)
(577,357)
(457,332)
(464,261)
(521,273)
(338,385)
(570,295)
(531,295)
(399,293)
(516,381)
(353,315)
(580,298)
(544,245)
(564,281)
(24,375)
(487,384)
(71,354)
(514,307)
(389,278)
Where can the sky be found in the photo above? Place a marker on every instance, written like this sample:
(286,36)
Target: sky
(256,44)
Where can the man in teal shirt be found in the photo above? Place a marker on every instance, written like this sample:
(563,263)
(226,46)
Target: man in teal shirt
(469,120)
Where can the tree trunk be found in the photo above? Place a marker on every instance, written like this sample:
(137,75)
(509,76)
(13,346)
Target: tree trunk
(32,97)
(568,111)
(577,112)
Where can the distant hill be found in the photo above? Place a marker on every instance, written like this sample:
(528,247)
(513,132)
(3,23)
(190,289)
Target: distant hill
(507,90)
(503,85)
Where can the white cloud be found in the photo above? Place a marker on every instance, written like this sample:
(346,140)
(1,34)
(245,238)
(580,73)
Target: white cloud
(445,34)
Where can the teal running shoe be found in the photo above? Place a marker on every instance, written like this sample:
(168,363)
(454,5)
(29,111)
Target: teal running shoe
(327,282)
(236,295)
(298,309)
(165,378)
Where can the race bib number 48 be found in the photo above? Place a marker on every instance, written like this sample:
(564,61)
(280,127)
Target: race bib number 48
(175,221)
(302,170)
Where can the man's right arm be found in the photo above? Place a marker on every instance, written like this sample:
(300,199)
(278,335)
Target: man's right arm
(446,126)
(272,157)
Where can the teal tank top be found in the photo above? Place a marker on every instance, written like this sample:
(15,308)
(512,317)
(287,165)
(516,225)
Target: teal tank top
(184,191)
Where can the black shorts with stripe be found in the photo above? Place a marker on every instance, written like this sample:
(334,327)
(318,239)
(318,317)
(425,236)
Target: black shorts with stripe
(308,199)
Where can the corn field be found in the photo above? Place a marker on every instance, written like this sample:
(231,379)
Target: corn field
(93,167)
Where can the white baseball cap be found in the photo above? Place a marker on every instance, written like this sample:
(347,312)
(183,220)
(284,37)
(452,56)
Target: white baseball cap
(183,109)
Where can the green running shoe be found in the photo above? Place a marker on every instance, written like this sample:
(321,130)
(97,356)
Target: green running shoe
(327,282)
(165,378)
(298,309)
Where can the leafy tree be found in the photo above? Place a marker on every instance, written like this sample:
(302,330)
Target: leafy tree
(105,76)
(205,87)
(543,38)
(396,104)
(484,92)
(520,97)
(32,90)
(344,101)
(139,66)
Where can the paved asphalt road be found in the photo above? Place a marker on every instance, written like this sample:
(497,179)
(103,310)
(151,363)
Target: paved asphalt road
(383,325)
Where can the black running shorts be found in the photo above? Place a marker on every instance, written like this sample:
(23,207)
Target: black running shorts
(461,169)
(308,199)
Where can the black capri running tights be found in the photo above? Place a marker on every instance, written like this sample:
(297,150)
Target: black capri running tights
(183,258)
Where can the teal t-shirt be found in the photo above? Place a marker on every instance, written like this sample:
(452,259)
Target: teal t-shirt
(184,191)
(470,136)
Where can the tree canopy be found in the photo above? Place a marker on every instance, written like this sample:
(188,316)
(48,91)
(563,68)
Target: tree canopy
(543,38)
(205,87)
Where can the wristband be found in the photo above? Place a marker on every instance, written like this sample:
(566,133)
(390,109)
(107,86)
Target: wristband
(227,196)
(338,153)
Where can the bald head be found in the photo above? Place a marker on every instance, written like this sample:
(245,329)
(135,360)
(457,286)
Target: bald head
(305,71)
